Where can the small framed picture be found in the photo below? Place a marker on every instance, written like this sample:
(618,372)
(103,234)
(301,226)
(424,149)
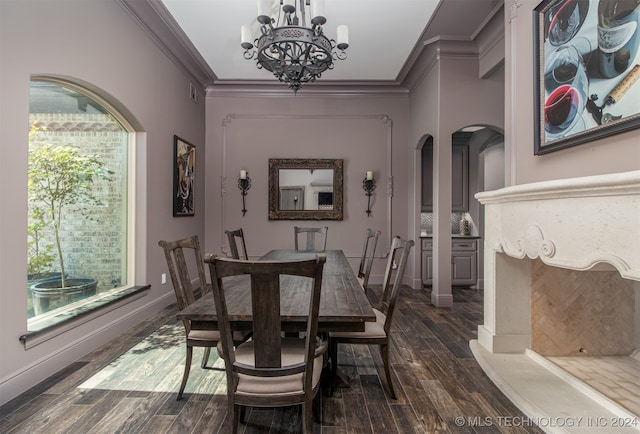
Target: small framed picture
(586,71)
(184,175)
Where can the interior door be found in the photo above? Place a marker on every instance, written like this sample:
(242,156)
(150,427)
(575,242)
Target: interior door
(291,198)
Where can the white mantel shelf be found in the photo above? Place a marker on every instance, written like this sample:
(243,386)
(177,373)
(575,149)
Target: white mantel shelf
(571,223)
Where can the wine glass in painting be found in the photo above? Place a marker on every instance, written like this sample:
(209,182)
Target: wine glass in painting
(564,20)
(566,90)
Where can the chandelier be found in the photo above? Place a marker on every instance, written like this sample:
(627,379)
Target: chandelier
(294,52)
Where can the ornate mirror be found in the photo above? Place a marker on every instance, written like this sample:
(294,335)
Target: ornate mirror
(305,189)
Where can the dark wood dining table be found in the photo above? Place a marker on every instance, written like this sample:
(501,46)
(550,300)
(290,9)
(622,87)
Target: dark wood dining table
(343,304)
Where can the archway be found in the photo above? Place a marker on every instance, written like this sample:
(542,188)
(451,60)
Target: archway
(485,171)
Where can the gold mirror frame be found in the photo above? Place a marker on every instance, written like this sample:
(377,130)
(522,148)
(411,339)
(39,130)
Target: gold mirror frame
(275,213)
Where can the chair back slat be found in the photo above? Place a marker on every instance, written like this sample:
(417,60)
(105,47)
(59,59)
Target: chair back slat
(311,235)
(396,264)
(178,255)
(368,254)
(265,303)
(237,244)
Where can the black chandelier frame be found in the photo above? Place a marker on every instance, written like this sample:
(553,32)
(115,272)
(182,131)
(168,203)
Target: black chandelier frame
(295,54)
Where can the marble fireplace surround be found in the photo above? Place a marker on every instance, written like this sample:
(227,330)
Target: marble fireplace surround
(579,236)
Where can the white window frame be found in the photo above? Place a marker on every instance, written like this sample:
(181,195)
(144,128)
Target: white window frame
(44,327)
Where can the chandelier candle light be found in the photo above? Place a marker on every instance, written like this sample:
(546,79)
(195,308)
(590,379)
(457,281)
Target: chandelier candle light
(294,52)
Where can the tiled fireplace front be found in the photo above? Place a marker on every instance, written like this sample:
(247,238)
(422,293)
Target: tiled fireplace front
(582,313)
(562,297)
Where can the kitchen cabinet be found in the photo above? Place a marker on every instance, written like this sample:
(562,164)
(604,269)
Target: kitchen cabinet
(427,176)
(464,261)
(460,178)
(459,174)
(427,261)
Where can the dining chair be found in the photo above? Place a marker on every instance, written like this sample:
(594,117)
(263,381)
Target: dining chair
(311,234)
(236,239)
(177,253)
(366,261)
(270,370)
(378,332)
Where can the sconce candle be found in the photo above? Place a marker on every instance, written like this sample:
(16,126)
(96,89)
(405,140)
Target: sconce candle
(369,184)
(244,184)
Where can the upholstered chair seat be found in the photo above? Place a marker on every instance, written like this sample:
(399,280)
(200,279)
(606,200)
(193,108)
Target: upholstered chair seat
(292,354)
(371,329)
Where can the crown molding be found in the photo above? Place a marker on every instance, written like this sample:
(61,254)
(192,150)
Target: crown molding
(489,34)
(434,50)
(273,88)
(157,22)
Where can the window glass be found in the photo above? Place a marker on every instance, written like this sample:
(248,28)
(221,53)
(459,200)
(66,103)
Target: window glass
(78,182)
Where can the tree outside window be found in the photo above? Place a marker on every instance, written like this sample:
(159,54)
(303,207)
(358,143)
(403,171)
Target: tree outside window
(78,211)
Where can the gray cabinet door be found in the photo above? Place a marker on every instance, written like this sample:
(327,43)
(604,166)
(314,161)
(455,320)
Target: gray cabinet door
(460,178)
(427,261)
(427,267)
(464,268)
(427,176)
(464,262)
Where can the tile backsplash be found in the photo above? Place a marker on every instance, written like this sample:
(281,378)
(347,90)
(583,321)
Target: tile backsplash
(426,222)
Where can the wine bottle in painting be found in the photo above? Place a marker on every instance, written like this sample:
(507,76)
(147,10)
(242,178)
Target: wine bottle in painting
(617,35)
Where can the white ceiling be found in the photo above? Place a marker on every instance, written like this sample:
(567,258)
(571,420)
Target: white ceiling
(382,33)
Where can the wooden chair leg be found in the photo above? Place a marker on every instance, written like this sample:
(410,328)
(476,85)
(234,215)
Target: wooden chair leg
(205,357)
(317,407)
(333,355)
(384,353)
(235,417)
(187,368)
(307,416)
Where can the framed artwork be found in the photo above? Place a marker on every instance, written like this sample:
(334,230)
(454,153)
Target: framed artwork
(586,71)
(184,174)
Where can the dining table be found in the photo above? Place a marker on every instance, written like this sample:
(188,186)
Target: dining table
(343,304)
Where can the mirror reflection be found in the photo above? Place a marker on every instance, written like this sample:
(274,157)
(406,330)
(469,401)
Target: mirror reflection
(305,189)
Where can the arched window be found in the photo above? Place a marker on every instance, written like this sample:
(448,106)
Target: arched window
(79,215)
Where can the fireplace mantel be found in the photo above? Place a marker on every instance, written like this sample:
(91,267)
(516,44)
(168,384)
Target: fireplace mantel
(572,223)
(582,224)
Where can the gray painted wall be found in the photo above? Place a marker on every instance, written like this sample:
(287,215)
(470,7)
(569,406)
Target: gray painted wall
(368,133)
(114,54)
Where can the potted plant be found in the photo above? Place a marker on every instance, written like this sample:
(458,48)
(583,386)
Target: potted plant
(60,178)
(40,256)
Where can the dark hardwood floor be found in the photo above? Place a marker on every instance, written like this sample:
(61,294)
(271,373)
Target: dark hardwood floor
(130,385)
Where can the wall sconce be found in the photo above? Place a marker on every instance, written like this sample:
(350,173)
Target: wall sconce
(244,184)
(369,184)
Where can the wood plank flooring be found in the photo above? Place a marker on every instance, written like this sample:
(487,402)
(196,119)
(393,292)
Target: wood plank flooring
(130,385)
